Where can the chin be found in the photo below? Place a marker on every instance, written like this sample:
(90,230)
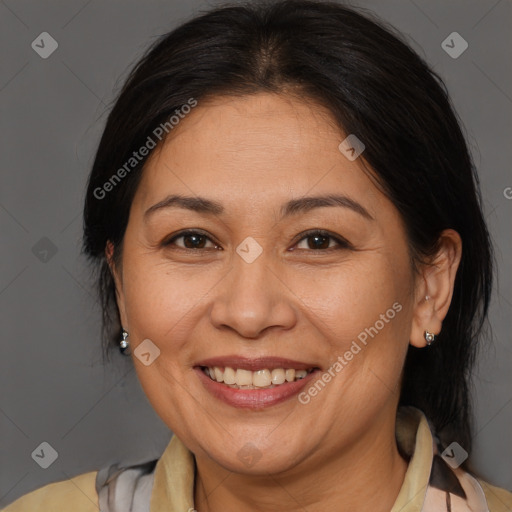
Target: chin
(252,460)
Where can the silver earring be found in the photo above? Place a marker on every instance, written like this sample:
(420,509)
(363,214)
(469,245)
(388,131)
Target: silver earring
(430,337)
(124,343)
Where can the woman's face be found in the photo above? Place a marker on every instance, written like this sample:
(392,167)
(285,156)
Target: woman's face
(253,291)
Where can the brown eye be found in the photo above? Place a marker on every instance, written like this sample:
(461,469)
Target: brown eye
(322,240)
(318,241)
(194,241)
(191,240)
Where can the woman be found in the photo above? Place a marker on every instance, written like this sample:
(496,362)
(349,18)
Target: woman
(292,250)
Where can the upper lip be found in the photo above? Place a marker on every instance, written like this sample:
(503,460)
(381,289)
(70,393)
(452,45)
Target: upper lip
(253,364)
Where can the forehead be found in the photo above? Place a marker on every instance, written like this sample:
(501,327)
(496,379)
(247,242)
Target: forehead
(258,147)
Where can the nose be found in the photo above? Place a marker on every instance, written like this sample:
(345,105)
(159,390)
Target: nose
(252,299)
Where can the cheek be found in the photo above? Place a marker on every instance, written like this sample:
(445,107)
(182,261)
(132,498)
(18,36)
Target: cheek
(353,296)
(164,301)
(164,305)
(362,310)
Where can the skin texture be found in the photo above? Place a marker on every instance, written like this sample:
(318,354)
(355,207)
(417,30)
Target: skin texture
(252,154)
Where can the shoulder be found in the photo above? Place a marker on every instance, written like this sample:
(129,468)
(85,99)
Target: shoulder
(498,499)
(77,494)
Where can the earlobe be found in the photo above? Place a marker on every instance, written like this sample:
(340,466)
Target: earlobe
(434,290)
(426,320)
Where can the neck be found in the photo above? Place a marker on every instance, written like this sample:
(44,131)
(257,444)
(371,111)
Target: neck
(336,483)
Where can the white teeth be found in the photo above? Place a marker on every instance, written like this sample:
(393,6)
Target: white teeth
(219,374)
(243,378)
(261,378)
(278,376)
(246,379)
(229,376)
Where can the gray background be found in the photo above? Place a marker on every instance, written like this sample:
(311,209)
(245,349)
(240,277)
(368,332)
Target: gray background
(53,385)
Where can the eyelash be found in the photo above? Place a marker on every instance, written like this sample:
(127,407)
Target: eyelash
(342,243)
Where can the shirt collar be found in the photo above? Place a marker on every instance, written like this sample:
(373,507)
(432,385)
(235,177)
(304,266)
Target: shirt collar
(414,438)
(173,487)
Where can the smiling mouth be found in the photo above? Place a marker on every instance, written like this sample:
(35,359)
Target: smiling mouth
(239,378)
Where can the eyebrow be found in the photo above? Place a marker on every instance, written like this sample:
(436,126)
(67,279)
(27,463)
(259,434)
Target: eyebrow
(292,207)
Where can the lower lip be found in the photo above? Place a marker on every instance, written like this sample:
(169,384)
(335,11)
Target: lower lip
(254,398)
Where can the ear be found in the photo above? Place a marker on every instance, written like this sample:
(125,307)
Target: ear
(117,276)
(434,288)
